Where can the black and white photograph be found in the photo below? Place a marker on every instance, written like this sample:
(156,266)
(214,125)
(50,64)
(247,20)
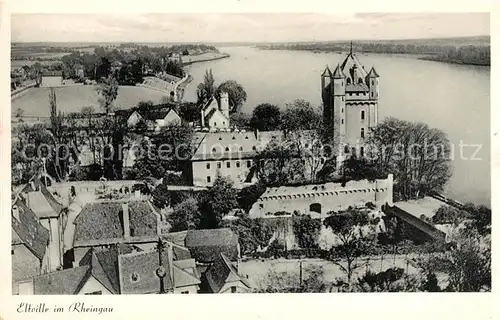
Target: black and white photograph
(248,153)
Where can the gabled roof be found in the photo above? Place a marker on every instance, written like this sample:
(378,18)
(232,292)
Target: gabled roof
(357,87)
(373,73)
(351,60)
(138,272)
(29,231)
(206,245)
(327,72)
(338,74)
(239,144)
(222,272)
(102,222)
(69,281)
(42,202)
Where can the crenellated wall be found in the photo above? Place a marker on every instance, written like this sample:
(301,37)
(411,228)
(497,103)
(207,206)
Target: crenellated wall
(326,197)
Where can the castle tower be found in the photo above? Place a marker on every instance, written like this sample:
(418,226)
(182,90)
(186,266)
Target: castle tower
(350,104)
(224,104)
(334,104)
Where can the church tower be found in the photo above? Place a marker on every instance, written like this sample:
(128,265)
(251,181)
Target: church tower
(350,104)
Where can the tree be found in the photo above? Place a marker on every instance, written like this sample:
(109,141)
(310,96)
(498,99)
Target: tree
(58,134)
(252,233)
(108,91)
(359,169)
(236,92)
(266,117)
(480,217)
(249,195)
(239,119)
(418,156)
(446,214)
(185,216)
(220,199)
(206,89)
(300,115)
(290,282)
(467,265)
(354,241)
(161,197)
(190,112)
(306,231)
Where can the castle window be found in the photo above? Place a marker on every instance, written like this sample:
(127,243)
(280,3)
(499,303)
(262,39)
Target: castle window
(227,148)
(241,148)
(342,98)
(362,152)
(223,123)
(219,165)
(357,93)
(342,121)
(372,94)
(237,164)
(254,148)
(208,179)
(214,150)
(373,82)
(228,164)
(360,81)
(342,110)
(346,149)
(220,138)
(348,80)
(362,132)
(362,114)
(215,124)
(249,163)
(208,165)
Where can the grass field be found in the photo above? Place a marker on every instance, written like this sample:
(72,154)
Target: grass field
(72,98)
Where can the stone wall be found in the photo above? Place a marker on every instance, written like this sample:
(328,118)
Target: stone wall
(323,198)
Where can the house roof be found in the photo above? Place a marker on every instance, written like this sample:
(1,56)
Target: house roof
(373,73)
(206,245)
(103,222)
(222,272)
(177,238)
(68,281)
(138,272)
(239,145)
(28,230)
(327,72)
(358,87)
(350,60)
(42,202)
(338,74)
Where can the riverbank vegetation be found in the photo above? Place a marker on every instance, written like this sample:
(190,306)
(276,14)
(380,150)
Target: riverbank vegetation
(468,50)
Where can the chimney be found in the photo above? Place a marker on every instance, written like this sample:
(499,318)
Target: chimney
(126,221)
(224,104)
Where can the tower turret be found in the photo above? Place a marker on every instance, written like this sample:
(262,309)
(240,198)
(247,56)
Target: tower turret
(224,104)
(373,83)
(326,77)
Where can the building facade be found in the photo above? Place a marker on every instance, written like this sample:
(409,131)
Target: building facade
(350,99)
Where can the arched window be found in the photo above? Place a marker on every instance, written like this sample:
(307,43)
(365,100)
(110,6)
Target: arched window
(348,80)
(362,132)
(315,207)
(360,81)
(346,149)
(362,114)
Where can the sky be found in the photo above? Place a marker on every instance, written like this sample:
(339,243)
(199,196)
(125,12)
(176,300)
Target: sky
(243,27)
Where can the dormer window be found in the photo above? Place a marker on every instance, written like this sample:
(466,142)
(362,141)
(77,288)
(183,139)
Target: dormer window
(214,150)
(227,149)
(134,277)
(220,138)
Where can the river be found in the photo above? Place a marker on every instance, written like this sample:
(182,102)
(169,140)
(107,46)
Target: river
(453,98)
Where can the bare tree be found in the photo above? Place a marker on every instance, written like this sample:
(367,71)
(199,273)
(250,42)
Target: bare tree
(108,91)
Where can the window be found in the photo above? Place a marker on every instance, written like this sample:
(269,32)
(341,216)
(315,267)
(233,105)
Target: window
(11,252)
(220,138)
(373,82)
(215,124)
(228,164)
(342,121)
(342,110)
(233,289)
(134,277)
(223,123)
(208,165)
(362,132)
(348,80)
(357,93)
(261,205)
(346,149)
(360,81)
(234,138)
(342,98)
(95,292)
(185,292)
(315,207)
(219,165)
(254,148)
(237,164)
(208,179)
(362,152)
(227,149)
(241,148)
(214,150)
(362,114)
(249,163)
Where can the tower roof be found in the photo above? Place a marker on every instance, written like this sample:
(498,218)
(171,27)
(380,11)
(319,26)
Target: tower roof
(373,73)
(338,74)
(327,72)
